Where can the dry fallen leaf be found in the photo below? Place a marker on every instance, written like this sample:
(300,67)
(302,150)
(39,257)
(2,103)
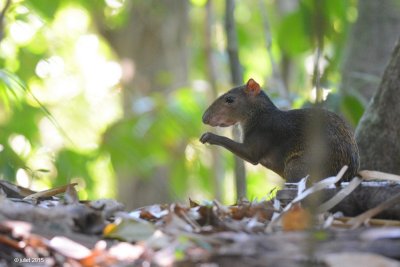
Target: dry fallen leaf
(49,192)
(129,230)
(99,256)
(296,219)
(13,190)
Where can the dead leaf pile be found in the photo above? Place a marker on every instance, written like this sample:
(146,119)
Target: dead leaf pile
(52,230)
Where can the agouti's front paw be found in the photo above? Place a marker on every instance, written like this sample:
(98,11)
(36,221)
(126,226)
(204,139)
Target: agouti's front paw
(207,138)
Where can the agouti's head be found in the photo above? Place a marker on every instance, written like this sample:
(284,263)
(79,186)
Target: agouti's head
(235,106)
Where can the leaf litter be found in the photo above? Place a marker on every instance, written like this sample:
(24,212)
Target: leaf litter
(60,230)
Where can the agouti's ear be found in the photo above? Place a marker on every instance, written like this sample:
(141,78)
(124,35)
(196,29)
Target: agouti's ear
(252,87)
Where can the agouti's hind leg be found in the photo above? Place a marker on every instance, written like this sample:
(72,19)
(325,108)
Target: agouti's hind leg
(295,170)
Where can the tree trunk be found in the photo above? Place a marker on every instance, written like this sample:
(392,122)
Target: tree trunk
(378,132)
(237,79)
(152,48)
(370,43)
(212,74)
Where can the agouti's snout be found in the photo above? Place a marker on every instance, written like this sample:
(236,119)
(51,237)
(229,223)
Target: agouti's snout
(206,117)
(219,115)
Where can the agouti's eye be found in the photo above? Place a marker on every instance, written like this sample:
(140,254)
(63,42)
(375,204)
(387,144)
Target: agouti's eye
(229,99)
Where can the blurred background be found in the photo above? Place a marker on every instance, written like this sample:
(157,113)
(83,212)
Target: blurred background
(110,94)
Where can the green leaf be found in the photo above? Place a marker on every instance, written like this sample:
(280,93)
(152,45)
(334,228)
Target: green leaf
(293,35)
(10,162)
(71,164)
(45,8)
(25,121)
(129,230)
(352,108)
(11,89)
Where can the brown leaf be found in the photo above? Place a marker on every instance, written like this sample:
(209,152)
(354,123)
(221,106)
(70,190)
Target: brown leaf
(49,192)
(207,216)
(7,241)
(237,213)
(147,215)
(36,241)
(99,256)
(261,210)
(13,190)
(296,219)
(153,213)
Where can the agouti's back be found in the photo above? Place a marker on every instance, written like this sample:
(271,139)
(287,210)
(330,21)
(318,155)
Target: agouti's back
(321,138)
(291,143)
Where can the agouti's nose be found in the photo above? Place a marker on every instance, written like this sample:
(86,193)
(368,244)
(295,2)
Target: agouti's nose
(206,117)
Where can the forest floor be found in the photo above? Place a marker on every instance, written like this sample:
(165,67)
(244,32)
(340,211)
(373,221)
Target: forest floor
(40,229)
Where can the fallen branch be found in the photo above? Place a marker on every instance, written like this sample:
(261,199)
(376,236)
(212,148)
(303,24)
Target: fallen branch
(363,217)
(376,175)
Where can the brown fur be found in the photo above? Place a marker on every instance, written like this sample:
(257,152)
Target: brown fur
(291,143)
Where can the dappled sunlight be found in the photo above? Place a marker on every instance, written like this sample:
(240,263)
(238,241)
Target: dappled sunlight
(51,138)
(116,4)
(22,32)
(51,67)
(81,126)
(103,170)
(23,178)
(212,133)
(325,93)
(20,145)
(80,91)
(72,21)
(262,182)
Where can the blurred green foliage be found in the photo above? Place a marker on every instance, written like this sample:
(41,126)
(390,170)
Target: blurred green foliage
(66,123)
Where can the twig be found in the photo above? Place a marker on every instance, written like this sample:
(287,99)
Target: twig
(363,217)
(340,195)
(50,192)
(376,175)
(343,222)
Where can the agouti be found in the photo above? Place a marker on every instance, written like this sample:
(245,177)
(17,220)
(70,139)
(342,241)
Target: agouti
(283,141)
